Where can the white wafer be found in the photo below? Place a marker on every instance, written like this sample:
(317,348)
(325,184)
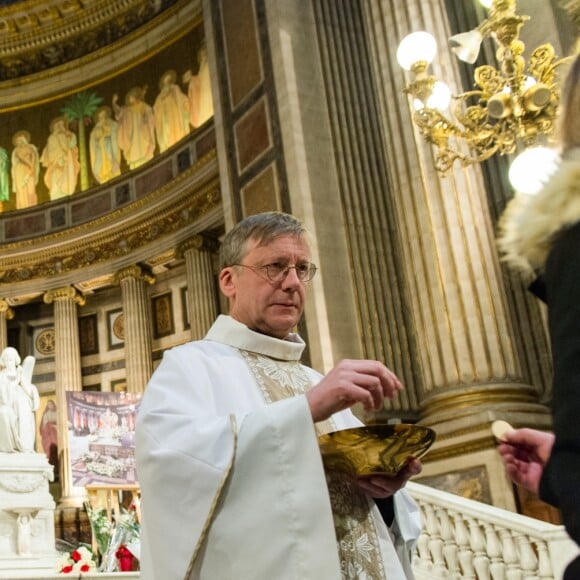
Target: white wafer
(499,428)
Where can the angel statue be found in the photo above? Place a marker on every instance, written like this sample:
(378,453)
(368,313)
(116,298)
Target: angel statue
(18,402)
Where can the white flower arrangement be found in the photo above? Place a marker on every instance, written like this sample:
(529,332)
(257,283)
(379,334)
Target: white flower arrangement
(79,560)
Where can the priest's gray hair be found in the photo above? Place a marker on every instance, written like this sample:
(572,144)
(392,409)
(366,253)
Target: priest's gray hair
(262,228)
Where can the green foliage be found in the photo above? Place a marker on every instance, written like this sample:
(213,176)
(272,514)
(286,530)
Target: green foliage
(81,105)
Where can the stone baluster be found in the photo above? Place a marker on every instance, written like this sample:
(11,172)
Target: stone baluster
(510,555)
(528,558)
(137,314)
(68,377)
(496,567)
(449,543)
(544,565)
(477,541)
(202,301)
(435,541)
(424,555)
(6,313)
(463,543)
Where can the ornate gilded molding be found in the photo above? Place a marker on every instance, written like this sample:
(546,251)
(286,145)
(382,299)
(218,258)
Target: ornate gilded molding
(459,450)
(166,211)
(477,397)
(64,293)
(6,310)
(99,65)
(51,33)
(136,272)
(199,242)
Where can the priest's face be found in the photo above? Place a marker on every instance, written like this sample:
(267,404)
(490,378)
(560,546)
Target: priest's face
(266,299)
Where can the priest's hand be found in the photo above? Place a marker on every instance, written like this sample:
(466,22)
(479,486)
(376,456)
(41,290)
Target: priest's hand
(350,382)
(383,486)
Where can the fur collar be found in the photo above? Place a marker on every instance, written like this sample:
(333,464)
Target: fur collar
(528,226)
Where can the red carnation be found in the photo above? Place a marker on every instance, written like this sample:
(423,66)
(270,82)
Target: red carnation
(85,568)
(76,556)
(66,569)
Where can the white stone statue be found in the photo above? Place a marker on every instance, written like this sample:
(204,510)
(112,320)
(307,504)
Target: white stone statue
(18,402)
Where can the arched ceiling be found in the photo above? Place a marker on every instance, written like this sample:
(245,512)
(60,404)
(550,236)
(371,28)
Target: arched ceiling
(36,35)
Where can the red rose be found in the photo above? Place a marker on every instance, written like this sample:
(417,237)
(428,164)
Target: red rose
(122,551)
(66,569)
(76,556)
(85,568)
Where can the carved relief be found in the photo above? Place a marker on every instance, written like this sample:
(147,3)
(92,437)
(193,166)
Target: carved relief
(23,483)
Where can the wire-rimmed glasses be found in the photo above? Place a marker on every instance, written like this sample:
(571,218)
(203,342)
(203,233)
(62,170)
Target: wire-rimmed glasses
(277,271)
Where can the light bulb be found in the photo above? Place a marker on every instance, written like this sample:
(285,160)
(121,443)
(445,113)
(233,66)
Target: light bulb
(416,47)
(440,96)
(532,168)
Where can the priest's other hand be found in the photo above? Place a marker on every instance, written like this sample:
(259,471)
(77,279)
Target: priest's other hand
(349,382)
(383,486)
(524,453)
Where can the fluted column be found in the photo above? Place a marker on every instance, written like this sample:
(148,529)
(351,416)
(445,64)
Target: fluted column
(201,288)
(466,343)
(67,378)
(6,313)
(137,314)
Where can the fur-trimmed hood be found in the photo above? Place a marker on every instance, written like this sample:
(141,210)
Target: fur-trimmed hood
(528,226)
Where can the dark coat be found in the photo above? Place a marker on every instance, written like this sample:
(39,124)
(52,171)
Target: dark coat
(560,484)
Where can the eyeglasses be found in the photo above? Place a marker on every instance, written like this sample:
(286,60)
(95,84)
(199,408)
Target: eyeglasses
(277,271)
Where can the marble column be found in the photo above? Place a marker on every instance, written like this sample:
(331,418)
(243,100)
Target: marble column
(201,284)
(467,345)
(6,313)
(471,369)
(137,314)
(68,377)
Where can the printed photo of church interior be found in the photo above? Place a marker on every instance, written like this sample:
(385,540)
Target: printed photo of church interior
(135,134)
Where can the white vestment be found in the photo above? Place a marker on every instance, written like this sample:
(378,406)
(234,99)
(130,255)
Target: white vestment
(232,487)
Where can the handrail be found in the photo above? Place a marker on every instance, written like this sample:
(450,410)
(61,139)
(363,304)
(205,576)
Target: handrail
(463,538)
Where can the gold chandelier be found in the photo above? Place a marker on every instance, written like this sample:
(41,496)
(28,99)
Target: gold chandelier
(511,107)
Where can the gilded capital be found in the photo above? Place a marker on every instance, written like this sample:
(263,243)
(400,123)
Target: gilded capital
(199,242)
(64,293)
(135,271)
(6,310)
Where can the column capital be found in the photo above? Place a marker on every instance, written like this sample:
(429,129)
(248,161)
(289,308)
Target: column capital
(133,271)
(199,242)
(64,293)
(5,308)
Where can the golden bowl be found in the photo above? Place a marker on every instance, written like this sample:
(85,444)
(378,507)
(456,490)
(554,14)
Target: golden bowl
(376,448)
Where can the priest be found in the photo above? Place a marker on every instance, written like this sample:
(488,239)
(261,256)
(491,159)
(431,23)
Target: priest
(233,483)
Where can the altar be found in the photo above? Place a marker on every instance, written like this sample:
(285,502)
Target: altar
(27,540)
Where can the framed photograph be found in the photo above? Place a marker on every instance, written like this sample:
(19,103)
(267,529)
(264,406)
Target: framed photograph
(119,386)
(184,308)
(116,328)
(46,429)
(88,334)
(162,306)
(101,437)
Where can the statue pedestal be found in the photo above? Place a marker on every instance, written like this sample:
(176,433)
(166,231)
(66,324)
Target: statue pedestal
(26,515)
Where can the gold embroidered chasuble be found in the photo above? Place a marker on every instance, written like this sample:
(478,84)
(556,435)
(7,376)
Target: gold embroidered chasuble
(357,541)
